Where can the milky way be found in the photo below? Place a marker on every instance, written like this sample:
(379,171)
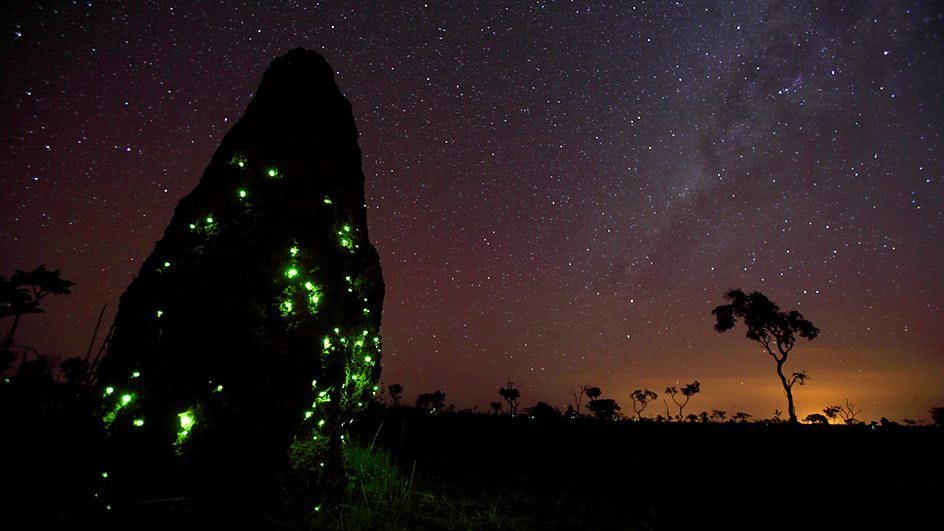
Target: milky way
(560,192)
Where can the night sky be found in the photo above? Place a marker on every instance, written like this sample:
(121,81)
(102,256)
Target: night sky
(560,192)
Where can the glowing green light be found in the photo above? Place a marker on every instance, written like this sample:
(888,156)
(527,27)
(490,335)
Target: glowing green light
(309,286)
(160,313)
(242,193)
(322,394)
(286,307)
(337,330)
(166,264)
(376,388)
(209,220)
(219,388)
(308,414)
(138,422)
(345,242)
(136,374)
(293,251)
(126,399)
(105,475)
(327,200)
(314,298)
(347,228)
(327,345)
(347,278)
(291,273)
(193,226)
(241,164)
(317,508)
(187,421)
(367,359)
(321,423)
(109,390)
(272,172)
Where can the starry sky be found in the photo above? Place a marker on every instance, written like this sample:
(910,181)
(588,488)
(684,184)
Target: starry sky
(560,192)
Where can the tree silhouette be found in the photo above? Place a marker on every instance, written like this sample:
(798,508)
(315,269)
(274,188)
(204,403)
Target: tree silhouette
(578,395)
(775,330)
(704,417)
(592,393)
(691,417)
(641,399)
(741,416)
(396,393)
(20,295)
(687,391)
(496,407)
(511,394)
(718,415)
(543,410)
(604,409)
(431,402)
(849,412)
(816,418)
(831,412)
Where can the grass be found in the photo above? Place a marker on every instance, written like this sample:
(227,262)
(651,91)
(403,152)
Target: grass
(380,496)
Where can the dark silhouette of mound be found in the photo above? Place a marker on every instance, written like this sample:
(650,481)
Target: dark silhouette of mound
(252,329)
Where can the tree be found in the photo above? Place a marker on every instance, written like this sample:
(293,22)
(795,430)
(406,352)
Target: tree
(641,399)
(543,411)
(20,295)
(592,392)
(431,402)
(831,412)
(849,412)
(741,416)
(578,395)
(511,394)
(604,409)
(718,415)
(396,393)
(691,417)
(704,417)
(496,407)
(687,391)
(775,330)
(816,418)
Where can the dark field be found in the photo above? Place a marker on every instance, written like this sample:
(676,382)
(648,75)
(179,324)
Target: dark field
(587,474)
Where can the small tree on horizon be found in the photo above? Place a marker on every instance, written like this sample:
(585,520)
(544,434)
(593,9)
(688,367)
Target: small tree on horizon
(641,399)
(687,391)
(431,402)
(578,395)
(849,412)
(775,330)
(511,394)
(604,409)
(496,407)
